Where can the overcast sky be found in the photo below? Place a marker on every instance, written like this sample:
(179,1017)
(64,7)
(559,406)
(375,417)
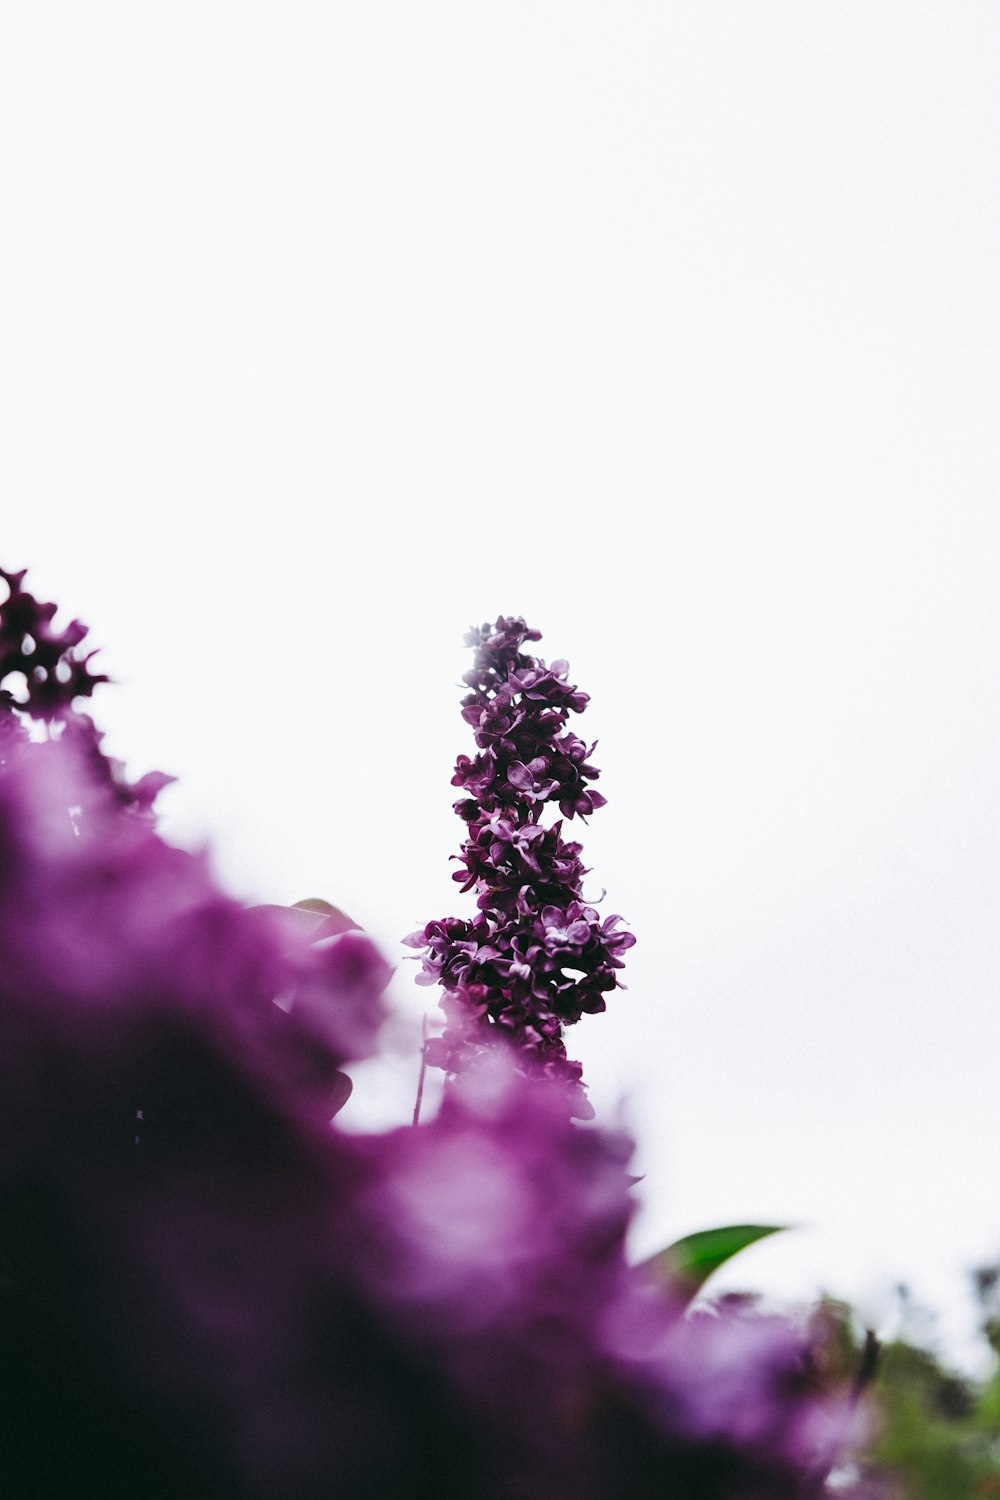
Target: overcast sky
(327,329)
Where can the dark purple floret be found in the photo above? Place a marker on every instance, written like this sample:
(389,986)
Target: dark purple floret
(536,958)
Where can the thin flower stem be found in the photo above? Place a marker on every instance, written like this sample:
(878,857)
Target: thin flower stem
(423,1070)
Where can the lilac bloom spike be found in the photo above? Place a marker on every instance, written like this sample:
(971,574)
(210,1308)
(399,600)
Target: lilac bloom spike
(536,957)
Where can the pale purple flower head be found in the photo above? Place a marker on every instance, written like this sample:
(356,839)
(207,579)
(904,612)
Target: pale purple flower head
(169,1065)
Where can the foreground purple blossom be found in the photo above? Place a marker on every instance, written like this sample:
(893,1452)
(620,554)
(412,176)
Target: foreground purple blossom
(536,958)
(210,1290)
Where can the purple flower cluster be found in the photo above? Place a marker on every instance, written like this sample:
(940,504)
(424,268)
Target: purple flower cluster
(54,673)
(210,1289)
(54,676)
(536,957)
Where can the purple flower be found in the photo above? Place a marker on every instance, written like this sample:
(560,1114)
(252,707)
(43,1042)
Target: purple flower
(55,676)
(536,958)
(209,1289)
(169,1063)
(54,672)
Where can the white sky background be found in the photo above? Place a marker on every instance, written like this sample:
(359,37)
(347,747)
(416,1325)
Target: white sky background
(327,329)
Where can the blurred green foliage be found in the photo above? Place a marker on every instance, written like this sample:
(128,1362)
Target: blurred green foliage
(936,1433)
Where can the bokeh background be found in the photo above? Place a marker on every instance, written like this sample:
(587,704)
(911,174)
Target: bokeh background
(327,329)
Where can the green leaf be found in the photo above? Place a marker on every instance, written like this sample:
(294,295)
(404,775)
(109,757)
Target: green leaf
(689,1262)
(327,920)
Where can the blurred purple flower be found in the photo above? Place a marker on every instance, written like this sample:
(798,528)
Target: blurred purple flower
(209,1290)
